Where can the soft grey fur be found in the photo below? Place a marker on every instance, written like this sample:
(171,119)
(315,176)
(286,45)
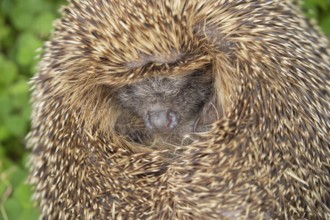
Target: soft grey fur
(189,96)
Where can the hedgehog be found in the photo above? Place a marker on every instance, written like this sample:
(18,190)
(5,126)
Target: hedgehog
(266,156)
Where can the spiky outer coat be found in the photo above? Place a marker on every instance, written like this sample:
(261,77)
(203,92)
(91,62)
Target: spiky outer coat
(267,158)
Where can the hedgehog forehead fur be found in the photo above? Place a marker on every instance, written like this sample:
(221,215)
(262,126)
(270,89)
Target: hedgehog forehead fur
(267,157)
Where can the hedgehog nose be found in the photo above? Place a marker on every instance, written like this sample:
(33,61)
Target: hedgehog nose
(162,120)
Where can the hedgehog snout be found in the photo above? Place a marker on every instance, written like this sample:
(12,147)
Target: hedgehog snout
(162,120)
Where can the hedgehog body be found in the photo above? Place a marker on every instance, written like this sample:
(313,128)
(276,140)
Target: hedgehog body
(266,157)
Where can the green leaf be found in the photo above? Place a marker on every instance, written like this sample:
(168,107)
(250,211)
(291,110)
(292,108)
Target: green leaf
(30,214)
(8,71)
(6,6)
(311,9)
(18,177)
(6,167)
(4,133)
(3,186)
(35,6)
(325,24)
(23,193)
(321,3)
(5,106)
(4,30)
(2,154)
(16,125)
(13,208)
(43,23)
(21,18)
(19,88)
(27,46)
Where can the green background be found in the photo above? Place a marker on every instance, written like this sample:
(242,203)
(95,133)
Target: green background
(24,26)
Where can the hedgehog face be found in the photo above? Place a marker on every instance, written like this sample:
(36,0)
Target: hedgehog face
(167,103)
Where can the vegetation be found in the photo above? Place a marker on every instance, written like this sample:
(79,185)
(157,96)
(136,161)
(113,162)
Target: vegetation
(24,26)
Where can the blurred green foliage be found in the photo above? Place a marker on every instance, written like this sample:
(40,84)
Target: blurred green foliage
(24,26)
(319,10)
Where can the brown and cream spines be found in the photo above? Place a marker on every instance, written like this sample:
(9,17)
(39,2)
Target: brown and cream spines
(266,157)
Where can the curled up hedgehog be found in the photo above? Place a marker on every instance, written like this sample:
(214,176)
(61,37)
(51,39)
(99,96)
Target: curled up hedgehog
(182,109)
